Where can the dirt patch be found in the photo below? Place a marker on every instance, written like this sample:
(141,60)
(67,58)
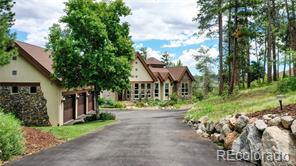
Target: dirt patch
(288,109)
(37,140)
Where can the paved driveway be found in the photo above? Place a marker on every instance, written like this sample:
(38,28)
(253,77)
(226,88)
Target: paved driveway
(148,138)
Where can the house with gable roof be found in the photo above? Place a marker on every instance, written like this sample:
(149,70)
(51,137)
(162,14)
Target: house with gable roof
(152,79)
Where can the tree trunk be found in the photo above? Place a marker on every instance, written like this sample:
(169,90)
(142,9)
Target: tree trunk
(269,46)
(274,59)
(221,71)
(234,61)
(97,92)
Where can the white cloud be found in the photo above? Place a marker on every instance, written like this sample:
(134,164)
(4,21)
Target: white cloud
(187,56)
(153,53)
(34,17)
(190,40)
(162,19)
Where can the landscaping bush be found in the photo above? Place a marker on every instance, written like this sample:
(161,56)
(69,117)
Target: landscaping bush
(106,103)
(287,85)
(90,118)
(107,116)
(11,138)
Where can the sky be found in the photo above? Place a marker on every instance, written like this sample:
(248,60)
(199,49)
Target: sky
(159,25)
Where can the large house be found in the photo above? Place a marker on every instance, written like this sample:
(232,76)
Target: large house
(28,90)
(152,79)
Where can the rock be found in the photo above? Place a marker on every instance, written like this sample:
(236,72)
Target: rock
(281,142)
(210,127)
(261,125)
(232,123)
(253,120)
(205,135)
(241,122)
(293,128)
(201,127)
(204,120)
(249,142)
(267,117)
(230,139)
(220,124)
(287,121)
(215,137)
(275,121)
(199,132)
(226,129)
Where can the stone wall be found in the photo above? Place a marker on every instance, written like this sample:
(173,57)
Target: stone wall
(29,108)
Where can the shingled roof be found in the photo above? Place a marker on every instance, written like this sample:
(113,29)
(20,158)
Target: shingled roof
(153,61)
(178,72)
(37,56)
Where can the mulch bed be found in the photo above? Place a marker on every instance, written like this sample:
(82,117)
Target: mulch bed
(288,109)
(37,140)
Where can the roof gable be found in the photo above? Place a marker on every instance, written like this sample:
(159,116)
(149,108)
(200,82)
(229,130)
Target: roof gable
(179,72)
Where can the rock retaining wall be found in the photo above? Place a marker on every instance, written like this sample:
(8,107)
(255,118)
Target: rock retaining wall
(272,134)
(29,108)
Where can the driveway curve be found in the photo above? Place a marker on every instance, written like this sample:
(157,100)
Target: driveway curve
(142,138)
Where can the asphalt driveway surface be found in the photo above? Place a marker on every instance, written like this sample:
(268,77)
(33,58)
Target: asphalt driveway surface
(144,138)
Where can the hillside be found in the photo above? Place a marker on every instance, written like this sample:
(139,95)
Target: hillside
(246,101)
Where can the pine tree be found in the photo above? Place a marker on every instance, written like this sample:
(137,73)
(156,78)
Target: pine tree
(7,49)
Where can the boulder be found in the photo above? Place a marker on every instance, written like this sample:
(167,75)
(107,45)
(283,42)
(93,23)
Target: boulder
(261,125)
(253,120)
(241,122)
(287,121)
(249,142)
(205,135)
(228,141)
(226,129)
(215,137)
(220,124)
(267,117)
(278,142)
(204,120)
(202,127)
(210,127)
(293,128)
(275,121)
(199,132)
(232,123)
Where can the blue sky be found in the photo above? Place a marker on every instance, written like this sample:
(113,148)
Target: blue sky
(159,25)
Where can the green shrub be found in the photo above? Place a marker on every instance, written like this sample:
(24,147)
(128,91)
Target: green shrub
(11,138)
(287,85)
(90,118)
(107,116)
(140,104)
(107,103)
(174,97)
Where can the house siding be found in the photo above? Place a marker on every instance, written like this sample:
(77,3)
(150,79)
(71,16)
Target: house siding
(27,73)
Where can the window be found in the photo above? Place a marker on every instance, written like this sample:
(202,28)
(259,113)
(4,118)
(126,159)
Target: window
(14,58)
(143,90)
(33,89)
(14,90)
(166,89)
(14,72)
(156,90)
(136,91)
(184,89)
(149,90)
(136,69)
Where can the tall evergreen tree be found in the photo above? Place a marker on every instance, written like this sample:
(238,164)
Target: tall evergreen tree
(7,38)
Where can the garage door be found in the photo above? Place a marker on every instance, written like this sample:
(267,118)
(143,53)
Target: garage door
(69,108)
(82,104)
(91,102)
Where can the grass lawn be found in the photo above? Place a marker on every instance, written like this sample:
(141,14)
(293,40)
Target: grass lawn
(75,131)
(246,101)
